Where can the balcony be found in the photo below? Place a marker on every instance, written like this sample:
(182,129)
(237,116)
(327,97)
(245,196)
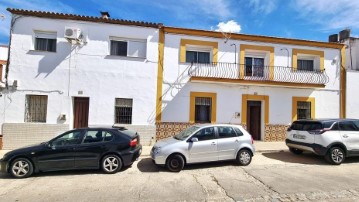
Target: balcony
(252,74)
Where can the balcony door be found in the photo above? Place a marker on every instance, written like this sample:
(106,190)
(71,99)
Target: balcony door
(254,66)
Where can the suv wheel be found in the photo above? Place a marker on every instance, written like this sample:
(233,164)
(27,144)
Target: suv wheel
(111,164)
(175,163)
(296,151)
(335,155)
(244,157)
(21,168)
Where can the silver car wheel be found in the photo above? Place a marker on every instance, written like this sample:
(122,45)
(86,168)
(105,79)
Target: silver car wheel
(110,164)
(245,157)
(20,168)
(337,155)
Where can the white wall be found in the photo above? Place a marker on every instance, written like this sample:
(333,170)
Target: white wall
(3,52)
(352,97)
(177,88)
(88,68)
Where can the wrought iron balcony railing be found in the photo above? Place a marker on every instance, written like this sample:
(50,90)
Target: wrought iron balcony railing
(221,70)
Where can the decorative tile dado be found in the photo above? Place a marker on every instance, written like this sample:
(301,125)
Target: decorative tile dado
(275,132)
(169,129)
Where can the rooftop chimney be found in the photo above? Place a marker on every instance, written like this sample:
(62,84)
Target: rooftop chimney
(105,15)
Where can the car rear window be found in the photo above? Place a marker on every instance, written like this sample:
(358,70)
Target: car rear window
(306,125)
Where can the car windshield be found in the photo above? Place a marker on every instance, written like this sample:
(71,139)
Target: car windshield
(185,133)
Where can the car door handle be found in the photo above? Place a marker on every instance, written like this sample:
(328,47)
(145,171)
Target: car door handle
(236,140)
(345,136)
(213,143)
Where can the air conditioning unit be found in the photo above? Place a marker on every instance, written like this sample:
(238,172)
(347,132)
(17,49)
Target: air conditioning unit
(72,33)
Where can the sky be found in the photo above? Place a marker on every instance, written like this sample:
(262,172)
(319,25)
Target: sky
(300,19)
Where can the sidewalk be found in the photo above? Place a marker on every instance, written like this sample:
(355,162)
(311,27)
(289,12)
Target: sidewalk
(259,145)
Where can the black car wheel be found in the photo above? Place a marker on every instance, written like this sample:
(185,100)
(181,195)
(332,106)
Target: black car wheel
(244,157)
(335,155)
(111,164)
(21,168)
(175,163)
(296,151)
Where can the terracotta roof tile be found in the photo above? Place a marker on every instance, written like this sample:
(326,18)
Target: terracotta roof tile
(67,16)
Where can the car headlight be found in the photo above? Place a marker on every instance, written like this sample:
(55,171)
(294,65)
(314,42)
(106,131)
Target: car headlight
(156,150)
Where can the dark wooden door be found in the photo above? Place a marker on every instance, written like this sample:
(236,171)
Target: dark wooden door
(81,112)
(254,119)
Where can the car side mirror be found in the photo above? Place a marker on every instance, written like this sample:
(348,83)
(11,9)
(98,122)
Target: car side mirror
(194,139)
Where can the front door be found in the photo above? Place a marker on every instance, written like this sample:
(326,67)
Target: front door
(205,149)
(81,112)
(254,119)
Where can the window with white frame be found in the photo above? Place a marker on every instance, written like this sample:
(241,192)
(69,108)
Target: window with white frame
(36,108)
(307,62)
(254,66)
(128,47)
(45,41)
(123,111)
(197,54)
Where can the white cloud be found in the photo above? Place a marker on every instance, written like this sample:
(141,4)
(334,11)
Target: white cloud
(263,6)
(229,26)
(330,15)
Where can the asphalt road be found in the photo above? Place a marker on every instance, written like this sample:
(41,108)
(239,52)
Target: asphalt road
(273,176)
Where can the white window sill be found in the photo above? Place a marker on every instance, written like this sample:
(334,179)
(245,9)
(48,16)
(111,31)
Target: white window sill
(126,57)
(41,51)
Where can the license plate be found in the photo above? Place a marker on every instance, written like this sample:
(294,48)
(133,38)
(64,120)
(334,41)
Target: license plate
(296,136)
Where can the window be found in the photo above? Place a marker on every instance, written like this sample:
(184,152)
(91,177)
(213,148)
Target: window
(347,126)
(304,110)
(35,108)
(205,134)
(226,132)
(197,57)
(128,47)
(93,136)
(45,41)
(306,65)
(70,138)
(123,111)
(203,109)
(254,66)
(238,131)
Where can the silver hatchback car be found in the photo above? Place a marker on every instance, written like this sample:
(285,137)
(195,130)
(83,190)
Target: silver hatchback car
(204,143)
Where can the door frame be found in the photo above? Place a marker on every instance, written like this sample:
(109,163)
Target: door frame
(73,110)
(264,110)
(249,114)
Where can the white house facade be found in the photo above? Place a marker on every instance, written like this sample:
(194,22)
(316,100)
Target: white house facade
(69,71)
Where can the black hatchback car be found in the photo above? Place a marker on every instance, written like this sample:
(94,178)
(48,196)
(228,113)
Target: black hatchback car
(108,149)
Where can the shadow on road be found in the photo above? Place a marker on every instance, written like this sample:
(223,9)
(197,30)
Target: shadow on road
(146,165)
(305,158)
(64,173)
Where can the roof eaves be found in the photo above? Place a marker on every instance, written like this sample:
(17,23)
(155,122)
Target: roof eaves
(66,16)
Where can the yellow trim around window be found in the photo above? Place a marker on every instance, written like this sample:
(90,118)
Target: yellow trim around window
(192,105)
(242,54)
(302,99)
(295,53)
(185,42)
(161,49)
(246,97)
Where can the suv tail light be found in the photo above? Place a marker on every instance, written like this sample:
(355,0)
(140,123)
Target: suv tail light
(133,142)
(319,132)
(252,139)
(289,129)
